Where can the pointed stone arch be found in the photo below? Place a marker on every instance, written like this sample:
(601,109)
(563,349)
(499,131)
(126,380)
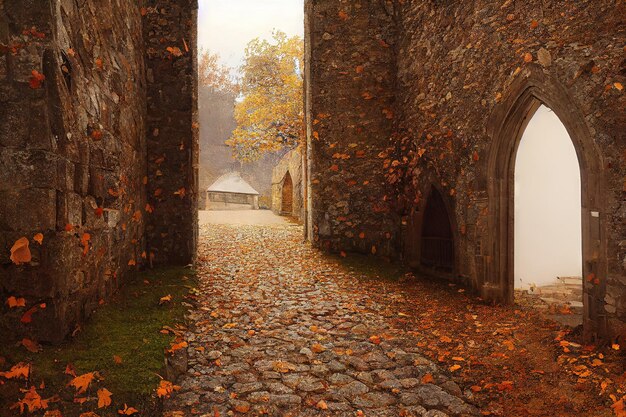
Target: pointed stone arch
(287,196)
(432,241)
(508,123)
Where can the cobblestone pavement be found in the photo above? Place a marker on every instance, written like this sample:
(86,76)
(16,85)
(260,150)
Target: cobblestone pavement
(273,333)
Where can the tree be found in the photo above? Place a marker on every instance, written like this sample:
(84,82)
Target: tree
(270,116)
(214,75)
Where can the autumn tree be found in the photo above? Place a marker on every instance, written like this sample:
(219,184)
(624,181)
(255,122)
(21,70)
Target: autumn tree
(214,75)
(270,115)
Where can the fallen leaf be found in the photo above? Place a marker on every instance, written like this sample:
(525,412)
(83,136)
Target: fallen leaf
(117,359)
(82,382)
(127,411)
(38,238)
(31,401)
(30,345)
(21,370)
(428,378)
(166,388)
(16,302)
(20,253)
(36,79)
(322,405)
(166,299)
(104,398)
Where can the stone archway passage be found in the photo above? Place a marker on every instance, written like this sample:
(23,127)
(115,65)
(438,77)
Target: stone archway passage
(437,238)
(287,196)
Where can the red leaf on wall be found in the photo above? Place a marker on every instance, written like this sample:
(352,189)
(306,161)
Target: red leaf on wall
(36,79)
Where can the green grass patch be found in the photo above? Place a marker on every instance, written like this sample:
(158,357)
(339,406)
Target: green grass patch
(128,326)
(371,267)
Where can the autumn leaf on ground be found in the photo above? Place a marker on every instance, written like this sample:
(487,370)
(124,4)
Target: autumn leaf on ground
(30,345)
(20,253)
(127,411)
(81,382)
(427,379)
(21,370)
(31,401)
(70,370)
(53,413)
(166,388)
(177,346)
(322,405)
(16,302)
(318,348)
(38,238)
(242,408)
(166,299)
(117,359)
(89,414)
(28,316)
(104,398)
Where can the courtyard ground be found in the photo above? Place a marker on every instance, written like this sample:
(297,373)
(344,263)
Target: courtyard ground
(279,328)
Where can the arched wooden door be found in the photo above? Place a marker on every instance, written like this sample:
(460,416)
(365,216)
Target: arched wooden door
(437,247)
(287,196)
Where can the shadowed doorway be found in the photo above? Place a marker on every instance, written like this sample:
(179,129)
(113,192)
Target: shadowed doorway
(287,196)
(437,249)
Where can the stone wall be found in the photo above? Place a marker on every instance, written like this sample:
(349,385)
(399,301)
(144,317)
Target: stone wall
(469,76)
(291,163)
(72,157)
(351,91)
(172,186)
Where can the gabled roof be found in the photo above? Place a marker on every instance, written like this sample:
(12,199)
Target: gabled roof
(232,183)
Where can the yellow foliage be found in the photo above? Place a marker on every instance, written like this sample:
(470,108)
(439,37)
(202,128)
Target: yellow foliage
(270,115)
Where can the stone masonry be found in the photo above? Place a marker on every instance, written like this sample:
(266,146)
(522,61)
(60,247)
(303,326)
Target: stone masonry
(410,95)
(72,156)
(291,163)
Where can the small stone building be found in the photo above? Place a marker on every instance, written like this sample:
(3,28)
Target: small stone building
(287,186)
(231,192)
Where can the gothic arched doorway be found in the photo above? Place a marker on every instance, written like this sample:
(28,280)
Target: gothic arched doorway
(287,196)
(437,240)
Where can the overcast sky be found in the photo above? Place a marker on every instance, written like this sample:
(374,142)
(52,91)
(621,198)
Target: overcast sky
(226,26)
(548,240)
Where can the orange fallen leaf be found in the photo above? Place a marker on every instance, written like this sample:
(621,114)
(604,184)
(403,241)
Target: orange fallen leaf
(322,405)
(20,253)
(16,302)
(242,408)
(21,370)
(127,411)
(32,401)
(28,316)
(38,238)
(166,388)
(89,414)
(375,340)
(427,379)
(117,359)
(30,345)
(318,348)
(84,240)
(166,299)
(36,79)
(82,382)
(104,397)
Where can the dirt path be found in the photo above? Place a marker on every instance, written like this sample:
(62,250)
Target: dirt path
(282,330)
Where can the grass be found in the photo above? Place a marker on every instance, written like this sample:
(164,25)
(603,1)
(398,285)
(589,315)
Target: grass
(129,327)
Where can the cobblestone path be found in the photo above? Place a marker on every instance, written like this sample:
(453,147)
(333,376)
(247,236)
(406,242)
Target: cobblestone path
(276,333)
